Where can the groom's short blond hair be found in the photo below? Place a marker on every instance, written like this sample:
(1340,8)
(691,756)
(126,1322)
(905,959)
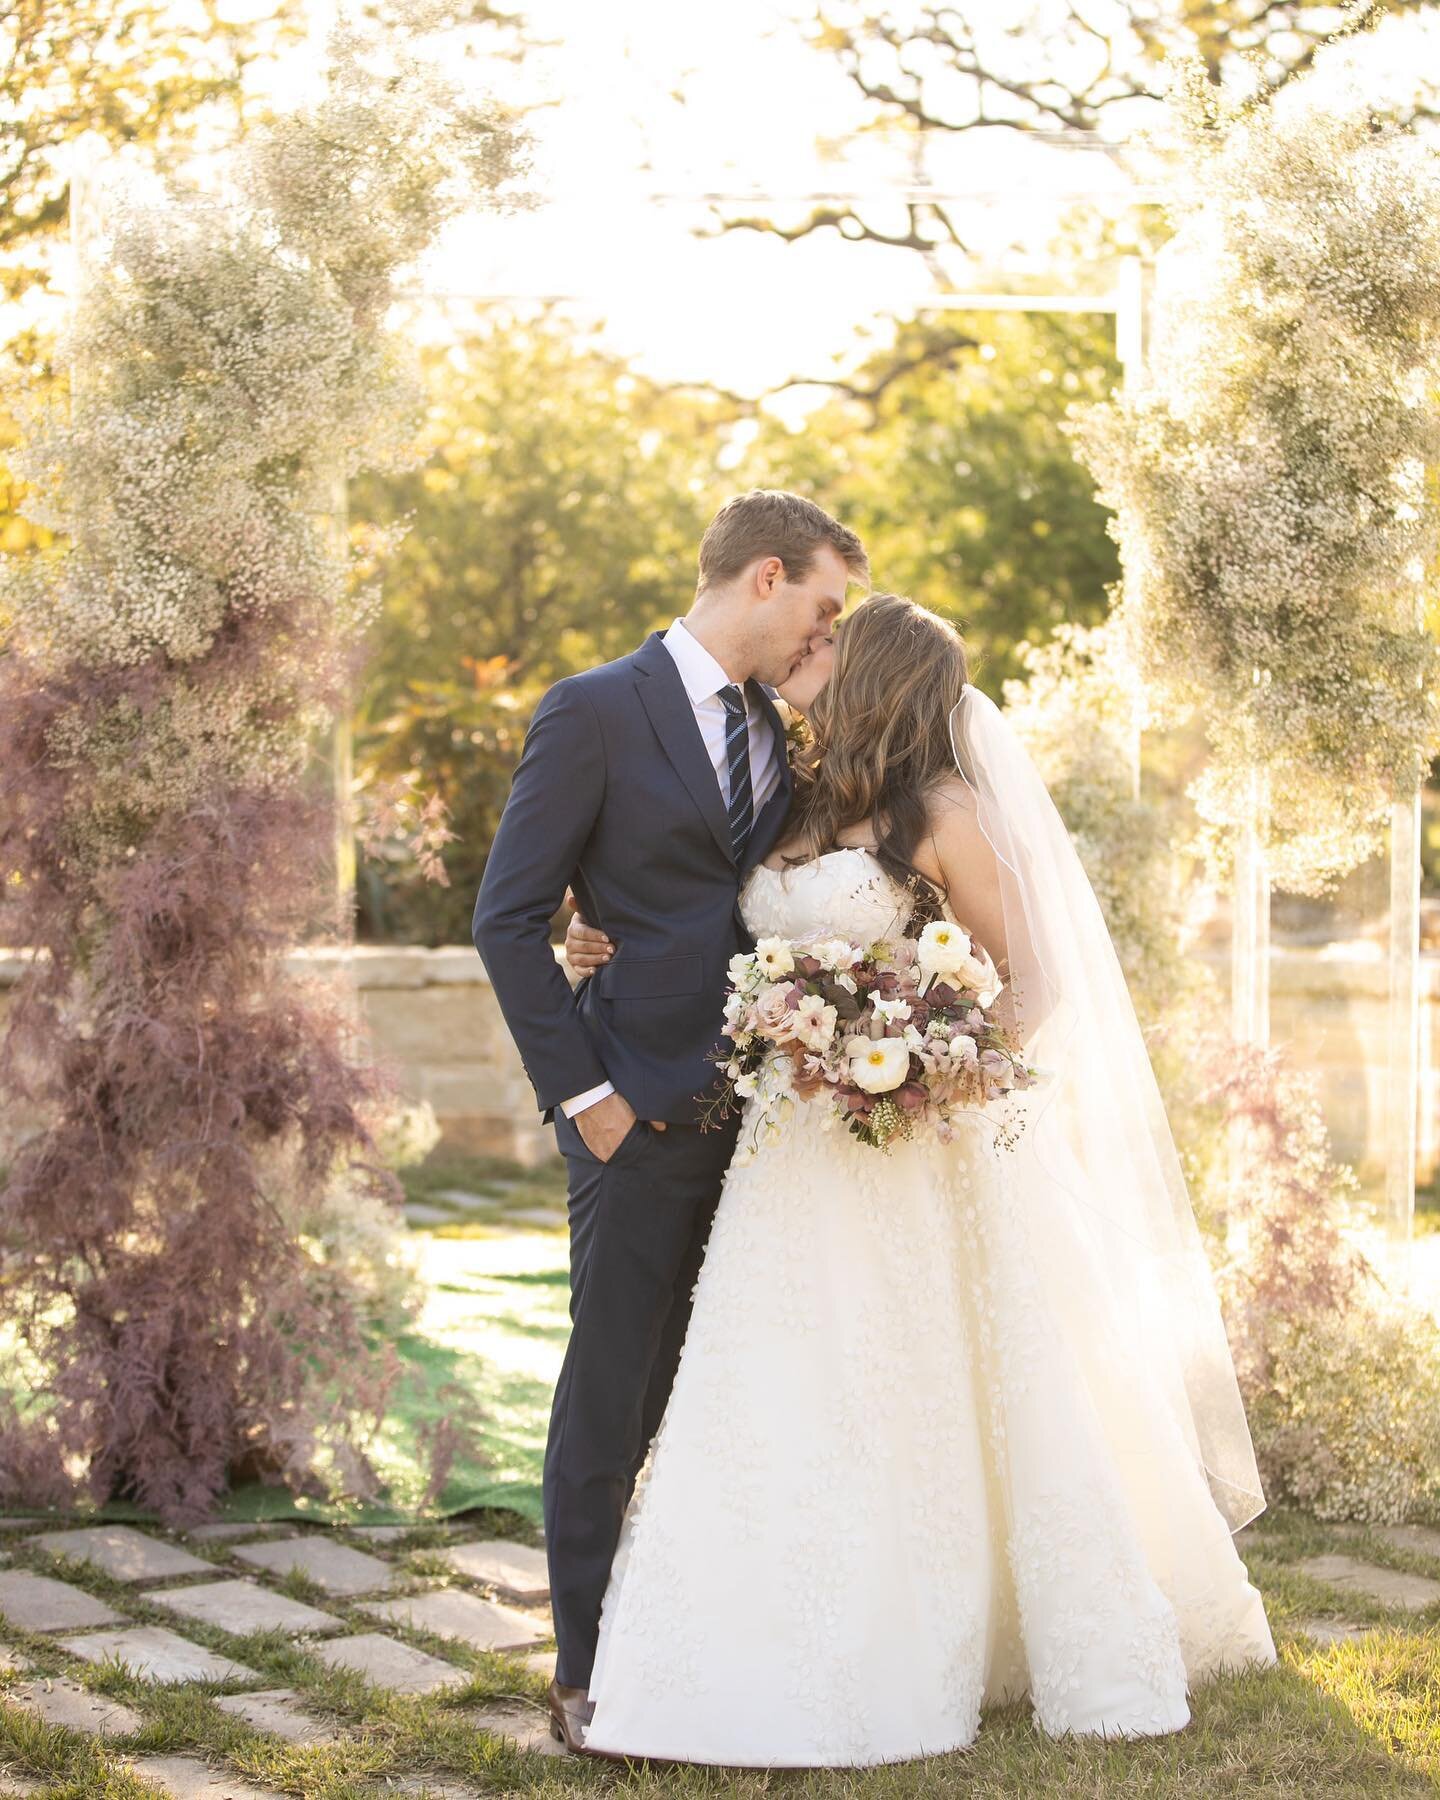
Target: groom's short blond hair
(770,522)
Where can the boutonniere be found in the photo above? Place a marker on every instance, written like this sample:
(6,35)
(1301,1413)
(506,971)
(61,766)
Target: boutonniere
(797,729)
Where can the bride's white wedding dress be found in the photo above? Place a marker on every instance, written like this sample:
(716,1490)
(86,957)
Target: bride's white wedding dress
(903,1472)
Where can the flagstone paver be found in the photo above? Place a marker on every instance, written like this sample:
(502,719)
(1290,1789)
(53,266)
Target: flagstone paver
(534,1215)
(389,1664)
(155,1653)
(243,1605)
(16,1785)
(526,1726)
(1390,1586)
(418,1213)
(515,1569)
(186,1778)
(61,1702)
(40,1603)
(122,1552)
(11,1661)
(1332,1631)
(337,1568)
(224,1531)
(277,1710)
(542,1662)
(1423,1538)
(382,1534)
(452,1613)
(495,1190)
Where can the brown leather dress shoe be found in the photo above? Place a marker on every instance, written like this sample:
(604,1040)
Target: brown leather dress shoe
(570,1713)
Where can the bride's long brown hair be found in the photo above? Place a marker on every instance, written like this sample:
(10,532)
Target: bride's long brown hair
(879,737)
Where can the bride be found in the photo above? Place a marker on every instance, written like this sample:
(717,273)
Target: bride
(954,1424)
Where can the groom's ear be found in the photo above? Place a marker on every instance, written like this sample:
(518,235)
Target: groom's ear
(769,573)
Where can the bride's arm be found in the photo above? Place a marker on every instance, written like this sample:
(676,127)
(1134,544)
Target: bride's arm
(959,858)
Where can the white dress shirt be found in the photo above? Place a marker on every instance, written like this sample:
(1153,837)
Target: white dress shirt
(703,678)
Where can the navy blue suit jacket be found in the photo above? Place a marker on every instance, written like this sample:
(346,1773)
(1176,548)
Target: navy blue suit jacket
(615,795)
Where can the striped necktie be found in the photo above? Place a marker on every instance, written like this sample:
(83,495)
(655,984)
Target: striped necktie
(737,754)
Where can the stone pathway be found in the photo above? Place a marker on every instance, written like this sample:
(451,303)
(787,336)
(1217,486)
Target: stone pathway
(526,1726)
(452,1613)
(187,1778)
(151,1653)
(495,1599)
(37,1603)
(335,1567)
(279,1711)
(122,1553)
(418,1212)
(390,1664)
(1391,1587)
(242,1605)
(1333,1631)
(514,1570)
(62,1702)
(1424,1538)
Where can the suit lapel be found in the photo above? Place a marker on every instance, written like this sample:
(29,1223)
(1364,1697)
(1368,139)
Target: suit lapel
(662,693)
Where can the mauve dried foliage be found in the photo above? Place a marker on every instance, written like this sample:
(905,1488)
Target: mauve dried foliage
(195,1095)
(192,1098)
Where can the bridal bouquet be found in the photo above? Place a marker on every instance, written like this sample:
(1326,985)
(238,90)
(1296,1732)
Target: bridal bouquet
(891,1036)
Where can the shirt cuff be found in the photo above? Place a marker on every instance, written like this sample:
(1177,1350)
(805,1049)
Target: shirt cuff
(588,1098)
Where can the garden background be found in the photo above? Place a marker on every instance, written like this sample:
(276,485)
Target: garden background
(361,384)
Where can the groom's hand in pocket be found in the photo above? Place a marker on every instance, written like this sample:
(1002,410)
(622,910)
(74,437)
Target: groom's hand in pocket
(586,948)
(603,1126)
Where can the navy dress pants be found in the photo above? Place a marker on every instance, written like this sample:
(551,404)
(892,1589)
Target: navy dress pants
(638,1226)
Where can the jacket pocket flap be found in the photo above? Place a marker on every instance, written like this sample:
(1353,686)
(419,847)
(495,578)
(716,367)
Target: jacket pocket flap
(651,977)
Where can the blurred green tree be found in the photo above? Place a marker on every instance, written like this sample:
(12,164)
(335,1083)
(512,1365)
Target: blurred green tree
(945,452)
(554,523)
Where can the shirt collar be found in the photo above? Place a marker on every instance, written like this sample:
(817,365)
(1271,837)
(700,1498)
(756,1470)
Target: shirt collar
(702,675)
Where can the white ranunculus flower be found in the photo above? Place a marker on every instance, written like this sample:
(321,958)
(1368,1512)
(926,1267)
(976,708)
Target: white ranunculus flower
(814,1022)
(981,974)
(836,954)
(774,957)
(877,1064)
(942,950)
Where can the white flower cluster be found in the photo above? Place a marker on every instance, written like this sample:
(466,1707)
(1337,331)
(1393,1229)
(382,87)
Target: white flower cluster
(228,370)
(1268,483)
(363,183)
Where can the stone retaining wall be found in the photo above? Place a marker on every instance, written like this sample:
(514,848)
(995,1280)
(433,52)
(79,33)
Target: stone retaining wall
(434,1014)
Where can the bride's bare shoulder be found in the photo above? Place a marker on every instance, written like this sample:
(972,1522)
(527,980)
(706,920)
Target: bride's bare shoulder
(951,803)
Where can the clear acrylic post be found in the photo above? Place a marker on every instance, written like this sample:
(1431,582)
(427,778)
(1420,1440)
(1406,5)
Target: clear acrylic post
(1403,1059)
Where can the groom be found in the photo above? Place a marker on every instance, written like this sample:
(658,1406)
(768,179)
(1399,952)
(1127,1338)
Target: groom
(650,785)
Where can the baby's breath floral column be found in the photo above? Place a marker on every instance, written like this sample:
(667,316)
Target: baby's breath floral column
(185,1317)
(1269,484)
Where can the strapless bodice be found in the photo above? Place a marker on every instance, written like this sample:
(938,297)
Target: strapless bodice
(844,893)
